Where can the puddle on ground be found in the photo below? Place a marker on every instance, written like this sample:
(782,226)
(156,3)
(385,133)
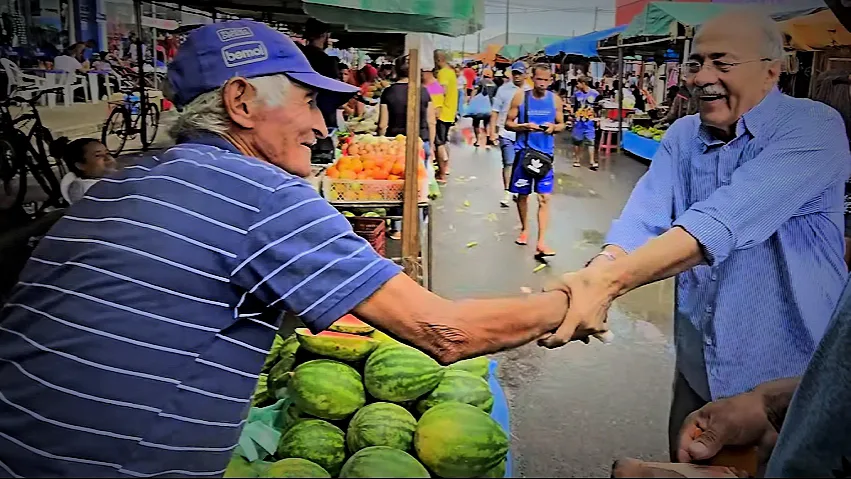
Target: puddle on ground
(570,185)
(653,303)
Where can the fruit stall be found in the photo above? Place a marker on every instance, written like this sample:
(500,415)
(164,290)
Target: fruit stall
(367,184)
(391,411)
(642,142)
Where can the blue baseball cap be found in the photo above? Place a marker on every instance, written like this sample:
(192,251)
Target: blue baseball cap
(518,67)
(215,53)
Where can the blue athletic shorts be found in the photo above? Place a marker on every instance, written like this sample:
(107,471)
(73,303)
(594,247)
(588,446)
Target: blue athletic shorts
(524,184)
(507,148)
(583,134)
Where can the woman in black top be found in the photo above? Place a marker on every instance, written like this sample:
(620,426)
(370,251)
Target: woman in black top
(393,119)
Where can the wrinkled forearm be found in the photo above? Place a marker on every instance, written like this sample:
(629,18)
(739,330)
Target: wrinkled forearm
(454,330)
(475,327)
(668,255)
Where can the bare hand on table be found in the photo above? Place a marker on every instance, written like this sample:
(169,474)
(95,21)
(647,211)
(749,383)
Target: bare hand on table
(589,299)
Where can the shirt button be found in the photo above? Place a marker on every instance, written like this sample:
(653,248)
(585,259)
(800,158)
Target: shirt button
(708,341)
(709,309)
(714,277)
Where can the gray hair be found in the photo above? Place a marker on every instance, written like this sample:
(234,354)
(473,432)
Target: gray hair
(773,37)
(207,111)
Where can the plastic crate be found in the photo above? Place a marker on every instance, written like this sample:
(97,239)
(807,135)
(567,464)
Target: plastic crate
(372,230)
(340,191)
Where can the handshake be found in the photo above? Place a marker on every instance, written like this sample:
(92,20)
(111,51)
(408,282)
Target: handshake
(589,296)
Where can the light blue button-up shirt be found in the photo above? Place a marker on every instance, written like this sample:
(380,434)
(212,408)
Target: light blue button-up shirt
(767,208)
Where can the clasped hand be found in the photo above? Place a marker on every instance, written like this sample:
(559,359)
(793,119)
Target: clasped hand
(590,294)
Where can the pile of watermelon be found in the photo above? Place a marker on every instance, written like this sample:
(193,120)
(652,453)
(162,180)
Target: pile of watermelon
(365,405)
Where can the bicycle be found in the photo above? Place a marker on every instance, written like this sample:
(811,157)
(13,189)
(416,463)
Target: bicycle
(125,122)
(26,152)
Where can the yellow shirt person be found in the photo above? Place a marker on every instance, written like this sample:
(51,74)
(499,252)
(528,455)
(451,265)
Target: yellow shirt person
(447,78)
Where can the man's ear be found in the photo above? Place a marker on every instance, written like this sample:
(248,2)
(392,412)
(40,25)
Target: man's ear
(240,101)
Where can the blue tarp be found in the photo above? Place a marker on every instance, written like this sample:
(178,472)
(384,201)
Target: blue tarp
(639,146)
(583,45)
(500,412)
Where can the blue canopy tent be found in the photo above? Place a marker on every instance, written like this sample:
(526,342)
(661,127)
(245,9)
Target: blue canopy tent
(583,45)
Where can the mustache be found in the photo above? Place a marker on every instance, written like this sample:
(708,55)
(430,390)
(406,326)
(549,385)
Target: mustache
(709,90)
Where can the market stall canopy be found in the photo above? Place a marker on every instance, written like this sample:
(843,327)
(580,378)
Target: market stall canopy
(444,17)
(659,19)
(582,45)
(816,32)
(489,56)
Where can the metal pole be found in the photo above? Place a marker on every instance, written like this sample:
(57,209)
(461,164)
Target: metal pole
(140,62)
(479,42)
(620,95)
(410,203)
(507,21)
(596,12)
(154,44)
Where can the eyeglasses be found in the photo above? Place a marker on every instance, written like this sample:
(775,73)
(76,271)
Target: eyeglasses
(693,67)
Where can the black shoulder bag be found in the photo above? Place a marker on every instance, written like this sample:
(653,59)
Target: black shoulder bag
(536,163)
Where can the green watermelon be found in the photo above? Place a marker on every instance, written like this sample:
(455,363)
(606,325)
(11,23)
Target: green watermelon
(497,472)
(352,325)
(380,461)
(239,467)
(479,366)
(342,346)
(459,386)
(315,440)
(381,424)
(399,373)
(295,467)
(459,440)
(327,389)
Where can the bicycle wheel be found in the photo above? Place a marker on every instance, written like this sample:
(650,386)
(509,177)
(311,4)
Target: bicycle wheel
(42,171)
(152,124)
(46,137)
(115,130)
(13,176)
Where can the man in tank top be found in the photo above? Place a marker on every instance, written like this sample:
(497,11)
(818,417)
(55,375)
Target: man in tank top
(535,125)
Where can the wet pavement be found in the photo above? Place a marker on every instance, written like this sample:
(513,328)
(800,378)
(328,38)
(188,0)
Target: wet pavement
(576,409)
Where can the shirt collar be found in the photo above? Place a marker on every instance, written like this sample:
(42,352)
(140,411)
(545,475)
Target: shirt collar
(753,121)
(207,138)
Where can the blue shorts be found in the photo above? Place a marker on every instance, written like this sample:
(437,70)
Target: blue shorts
(507,148)
(523,183)
(583,134)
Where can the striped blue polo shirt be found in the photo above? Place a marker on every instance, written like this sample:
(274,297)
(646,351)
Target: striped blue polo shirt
(133,341)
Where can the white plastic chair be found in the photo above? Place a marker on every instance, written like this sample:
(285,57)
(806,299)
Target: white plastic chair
(71,82)
(19,82)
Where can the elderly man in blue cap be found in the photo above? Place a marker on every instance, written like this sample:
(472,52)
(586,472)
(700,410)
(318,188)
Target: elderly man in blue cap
(133,341)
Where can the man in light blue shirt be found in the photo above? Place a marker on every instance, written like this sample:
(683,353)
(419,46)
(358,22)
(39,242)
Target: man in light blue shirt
(501,105)
(742,203)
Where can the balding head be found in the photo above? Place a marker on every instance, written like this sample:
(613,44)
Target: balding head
(734,64)
(750,27)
